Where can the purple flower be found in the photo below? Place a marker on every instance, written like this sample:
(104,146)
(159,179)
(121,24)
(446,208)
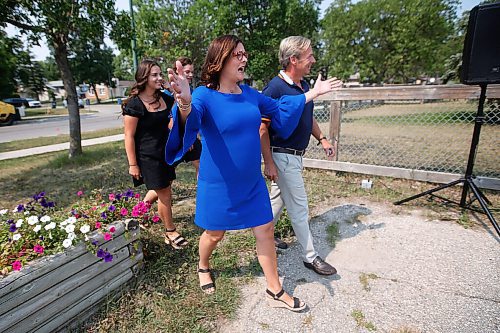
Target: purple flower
(129,193)
(118,196)
(112,208)
(103,215)
(20,208)
(12,228)
(108,257)
(41,238)
(100,253)
(50,204)
(10,221)
(94,242)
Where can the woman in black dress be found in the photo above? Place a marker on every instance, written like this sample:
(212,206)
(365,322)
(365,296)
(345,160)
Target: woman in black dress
(147,113)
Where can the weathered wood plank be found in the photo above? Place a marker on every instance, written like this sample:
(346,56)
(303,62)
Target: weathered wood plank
(334,130)
(60,305)
(420,175)
(39,283)
(86,304)
(46,264)
(429,92)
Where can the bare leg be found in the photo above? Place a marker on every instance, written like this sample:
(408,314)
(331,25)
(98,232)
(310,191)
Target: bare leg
(266,253)
(196,165)
(208,241)
(165,211)
(151,197)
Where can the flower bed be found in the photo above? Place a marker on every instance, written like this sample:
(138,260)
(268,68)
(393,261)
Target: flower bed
(65,262)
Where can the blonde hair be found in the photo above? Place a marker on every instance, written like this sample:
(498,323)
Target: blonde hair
(292,46)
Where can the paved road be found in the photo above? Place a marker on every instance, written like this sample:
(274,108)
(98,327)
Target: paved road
(108,116)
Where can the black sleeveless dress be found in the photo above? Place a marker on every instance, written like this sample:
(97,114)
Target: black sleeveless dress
(150,138)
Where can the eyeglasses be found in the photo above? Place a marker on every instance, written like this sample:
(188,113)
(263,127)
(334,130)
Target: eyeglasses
(240,55)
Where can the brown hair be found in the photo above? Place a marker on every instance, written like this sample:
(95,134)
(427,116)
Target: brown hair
(184,61)
(218,53)
(141,79)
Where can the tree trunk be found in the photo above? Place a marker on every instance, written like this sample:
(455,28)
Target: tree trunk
(75,135)
(98,101)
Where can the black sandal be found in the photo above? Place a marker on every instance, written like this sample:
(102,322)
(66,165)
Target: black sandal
(178,242)
(208,288)
(275,301)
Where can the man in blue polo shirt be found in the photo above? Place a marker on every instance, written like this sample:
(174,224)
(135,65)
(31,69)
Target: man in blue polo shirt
(283,157)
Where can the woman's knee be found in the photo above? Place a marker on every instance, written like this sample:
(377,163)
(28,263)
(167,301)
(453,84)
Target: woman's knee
(264,231)
(214,236)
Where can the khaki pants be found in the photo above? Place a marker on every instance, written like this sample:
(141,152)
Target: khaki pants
(289,192)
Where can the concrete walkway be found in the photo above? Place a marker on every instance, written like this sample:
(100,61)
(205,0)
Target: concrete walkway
(398,272)
(57,147)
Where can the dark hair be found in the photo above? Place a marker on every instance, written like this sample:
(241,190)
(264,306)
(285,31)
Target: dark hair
(184,61)
(218,53)
(141,79)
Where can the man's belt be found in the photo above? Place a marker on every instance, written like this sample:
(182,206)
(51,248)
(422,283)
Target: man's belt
(287,151)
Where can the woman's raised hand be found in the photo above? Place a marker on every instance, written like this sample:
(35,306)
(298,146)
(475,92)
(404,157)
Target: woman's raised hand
(180,85)
(322,87)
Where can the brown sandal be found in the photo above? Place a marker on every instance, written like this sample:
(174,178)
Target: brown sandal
(275,301)
(178,242)
(208,288)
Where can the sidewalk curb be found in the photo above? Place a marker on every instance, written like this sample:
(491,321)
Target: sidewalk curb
(57,147)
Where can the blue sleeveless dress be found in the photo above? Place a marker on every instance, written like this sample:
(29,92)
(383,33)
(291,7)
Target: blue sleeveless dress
(232,192)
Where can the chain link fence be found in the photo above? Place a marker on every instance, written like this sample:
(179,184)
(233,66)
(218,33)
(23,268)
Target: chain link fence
(432,135)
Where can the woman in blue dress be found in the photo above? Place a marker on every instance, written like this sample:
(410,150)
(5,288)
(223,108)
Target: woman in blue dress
(232,192)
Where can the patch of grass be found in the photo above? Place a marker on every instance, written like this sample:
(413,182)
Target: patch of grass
(364,279)
(359,317)
(44,111)
(332,232)
(425,118)
(405,329)
(283,227)
(50,140)
(464,220)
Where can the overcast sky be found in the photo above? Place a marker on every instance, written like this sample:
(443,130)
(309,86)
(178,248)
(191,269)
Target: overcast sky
(41,52)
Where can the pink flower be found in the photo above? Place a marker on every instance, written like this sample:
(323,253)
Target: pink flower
(137,195)
(94,208)
(156,219)
(98,225)
(111,197)
(79,193)
(124,211)
(16,265)
(38,249)
(107,236)
(112,229)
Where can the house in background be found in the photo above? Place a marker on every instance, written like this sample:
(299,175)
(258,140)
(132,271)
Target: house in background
(105,92)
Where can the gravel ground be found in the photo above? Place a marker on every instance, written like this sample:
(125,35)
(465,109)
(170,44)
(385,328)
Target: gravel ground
(421,276)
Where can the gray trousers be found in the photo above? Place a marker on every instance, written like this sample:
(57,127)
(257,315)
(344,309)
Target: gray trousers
(289,192)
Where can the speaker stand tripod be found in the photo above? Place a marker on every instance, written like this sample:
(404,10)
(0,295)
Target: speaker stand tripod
(468,179)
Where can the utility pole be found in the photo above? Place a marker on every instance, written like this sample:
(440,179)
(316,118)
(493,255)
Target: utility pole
(134,54)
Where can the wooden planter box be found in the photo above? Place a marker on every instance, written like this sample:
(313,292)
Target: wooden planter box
(56,291)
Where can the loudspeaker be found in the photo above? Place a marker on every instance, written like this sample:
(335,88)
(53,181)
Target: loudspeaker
(481,55)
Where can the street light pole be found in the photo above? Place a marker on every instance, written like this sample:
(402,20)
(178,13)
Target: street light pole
(134,54)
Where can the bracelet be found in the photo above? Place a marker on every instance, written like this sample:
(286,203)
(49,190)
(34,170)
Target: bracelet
(132,165)
(184,107)
(322,138)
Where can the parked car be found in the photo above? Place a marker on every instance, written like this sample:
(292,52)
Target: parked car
(7,114)
(81,104)
(34,103)
(17,102)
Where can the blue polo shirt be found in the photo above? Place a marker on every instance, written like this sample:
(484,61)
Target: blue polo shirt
(299,139)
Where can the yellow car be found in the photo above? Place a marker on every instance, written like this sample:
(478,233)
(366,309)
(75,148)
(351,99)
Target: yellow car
(7,114)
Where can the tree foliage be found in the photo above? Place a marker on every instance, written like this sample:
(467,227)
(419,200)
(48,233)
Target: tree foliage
(7,65)
(388,40)
(60,22)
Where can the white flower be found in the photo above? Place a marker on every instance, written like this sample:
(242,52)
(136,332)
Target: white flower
(32,220)
(63,223)
(19,223)
(72,219)
(70,228)
(3,211)
(67,243)
(84,228)
(37,228)
(49,226)
(71,236)
(26,213)
(16,237)
(45,218)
